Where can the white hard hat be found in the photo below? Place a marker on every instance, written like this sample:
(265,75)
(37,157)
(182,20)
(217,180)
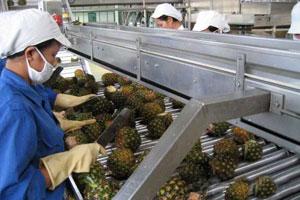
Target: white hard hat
(211,18)
(167,10)
(21,29)
(295,26)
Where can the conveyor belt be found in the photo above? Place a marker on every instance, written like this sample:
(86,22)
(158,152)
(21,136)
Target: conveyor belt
(281,165)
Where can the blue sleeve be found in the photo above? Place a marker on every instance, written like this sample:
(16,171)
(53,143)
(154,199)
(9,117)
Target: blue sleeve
(20,174)
(2,64)
(51,95)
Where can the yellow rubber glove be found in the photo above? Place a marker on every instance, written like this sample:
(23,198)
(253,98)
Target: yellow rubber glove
(69,101)
(79,159)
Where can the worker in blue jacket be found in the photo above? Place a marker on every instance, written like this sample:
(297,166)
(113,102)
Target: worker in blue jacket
(34,163)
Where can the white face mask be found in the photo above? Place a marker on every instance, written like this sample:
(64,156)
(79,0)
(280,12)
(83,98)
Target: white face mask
(40,77)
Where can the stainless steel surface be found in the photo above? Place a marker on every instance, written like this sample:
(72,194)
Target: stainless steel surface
(199,65)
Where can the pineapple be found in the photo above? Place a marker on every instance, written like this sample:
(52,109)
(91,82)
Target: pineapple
(128,138)
(76,137)
(237,191)
(109,91)
(264,187)
(140,158)
(104,120)
(174,189)
(166,117)
(121,163)
(135,103)
(10,3)
(97,105)
(93,131)
(146,95)
(109,79)
(156,128)
(127,90)
(177,104)
(119,99)
(22,2)
(223,169)
(79,116)
(192,172)
(94,184)
(241,136)
(149,111)
(252,150)
(123,81)
(226,148)
(161,103)
(79,74)
(218,129)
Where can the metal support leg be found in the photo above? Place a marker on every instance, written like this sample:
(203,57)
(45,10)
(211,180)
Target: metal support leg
(179,138)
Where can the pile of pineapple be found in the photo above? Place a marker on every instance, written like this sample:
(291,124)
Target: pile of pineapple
(198,167)
(119,92)
(195,170)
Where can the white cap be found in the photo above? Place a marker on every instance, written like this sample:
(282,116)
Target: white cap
(168,10)
(295,26)
(21,29)
(211,18)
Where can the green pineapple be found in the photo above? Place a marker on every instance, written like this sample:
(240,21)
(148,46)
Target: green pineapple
(146,95)
(10,3)
(97,105)
(93,131)
(241,136)
(238,190)
(193,172)
(174,189)
(264,187)
(79,116)
(121,163)
(226,148)
(128,137)
(135,103)
(149,111)
(123,81)
(218,129)
(177,104)
(127,90)
(94,184)
(22,2)
(109,79)
(119,99)
(252,150)
(223,169)
(156,128)
(166,117)
(161,103)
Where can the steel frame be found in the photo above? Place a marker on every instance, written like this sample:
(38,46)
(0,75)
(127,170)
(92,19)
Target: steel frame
(217,72)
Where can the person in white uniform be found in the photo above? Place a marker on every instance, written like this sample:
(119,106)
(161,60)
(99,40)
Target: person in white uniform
(295,26)
(211,21)
(166,16)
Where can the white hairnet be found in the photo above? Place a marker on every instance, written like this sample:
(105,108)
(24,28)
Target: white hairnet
(211,18)
(167,10)
(21,29)
(295,26)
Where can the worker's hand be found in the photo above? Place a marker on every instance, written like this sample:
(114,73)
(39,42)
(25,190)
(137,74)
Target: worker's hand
(70,125)
(59,115)
(68,101)
(79,159)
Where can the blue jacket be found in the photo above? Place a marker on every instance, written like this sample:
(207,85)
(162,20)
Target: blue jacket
(27,133)
(49,93)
